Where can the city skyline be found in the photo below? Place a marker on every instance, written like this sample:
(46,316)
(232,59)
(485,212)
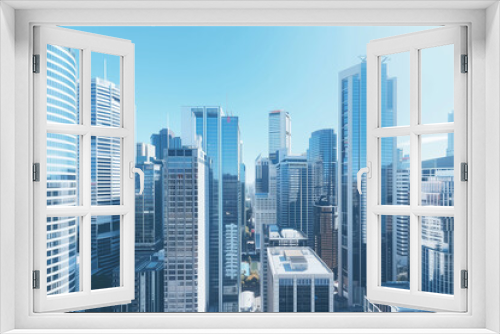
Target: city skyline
(261,69)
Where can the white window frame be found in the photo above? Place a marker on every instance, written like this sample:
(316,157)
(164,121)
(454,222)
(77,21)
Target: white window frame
(484,49)
(86,44)
(413,44)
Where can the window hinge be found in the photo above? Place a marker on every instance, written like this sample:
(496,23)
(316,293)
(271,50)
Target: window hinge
(36,63)
(465,279)
(36,172)
(464,171)
(465,64)
(36,279)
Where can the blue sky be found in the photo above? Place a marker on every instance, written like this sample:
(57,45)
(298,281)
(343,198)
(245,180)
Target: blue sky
(250,71)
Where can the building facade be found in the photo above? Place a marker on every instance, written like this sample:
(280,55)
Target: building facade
(62,170)
(185,206)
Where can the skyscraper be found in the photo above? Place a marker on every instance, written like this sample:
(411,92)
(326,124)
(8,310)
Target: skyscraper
(148,205)
(352,157)
(219,136)
(162,141)
(295,206)
(62,170)
(280,133)
(261,175)
(326,233)
(185,206)
(323,152)
(106,183)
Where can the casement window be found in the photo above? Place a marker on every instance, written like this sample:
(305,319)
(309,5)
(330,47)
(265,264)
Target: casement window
(429,251)
(83,172)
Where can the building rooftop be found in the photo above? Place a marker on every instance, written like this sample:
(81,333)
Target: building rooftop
(295,261)
(285,234)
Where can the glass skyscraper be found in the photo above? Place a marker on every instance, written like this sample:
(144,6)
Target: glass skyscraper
(280,133)
(219,136)
(62,170)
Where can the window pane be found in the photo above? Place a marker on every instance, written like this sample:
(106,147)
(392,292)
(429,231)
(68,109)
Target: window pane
(105,170)
(395,257)
(63,84)
(105,90)
(63,169)
(395,170)
(63,255)
(437,254)
(437,84)
(437,187)
(395,89)
(105,252)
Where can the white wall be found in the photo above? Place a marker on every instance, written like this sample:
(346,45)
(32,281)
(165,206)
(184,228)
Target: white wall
(7,158)
(491,165)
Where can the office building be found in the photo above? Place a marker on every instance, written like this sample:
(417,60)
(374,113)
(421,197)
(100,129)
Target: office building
(219,136)
(273,237)
(298,281)
(185,206)
(163,140)
(280,133)
(322,153)
(295,205)
(62,171)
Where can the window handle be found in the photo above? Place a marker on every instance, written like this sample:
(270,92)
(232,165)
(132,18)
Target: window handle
(368,171)
(134,170)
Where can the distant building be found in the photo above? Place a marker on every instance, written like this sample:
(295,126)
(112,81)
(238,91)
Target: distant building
(298,281)
(247,302)
(273,237)
(295,205)
(280,133)
(261,175)
(185,206)
(162,141)
(322,153)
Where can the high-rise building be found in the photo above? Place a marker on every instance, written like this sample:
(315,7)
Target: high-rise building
(280,133)
(326,233)
(185,206)
(162,141)
(295,206)
(148,205)
(261,175)
(322,153)
(352,157)
(106,182)
(298,281)
(219,136)
(273,237)
(62,171)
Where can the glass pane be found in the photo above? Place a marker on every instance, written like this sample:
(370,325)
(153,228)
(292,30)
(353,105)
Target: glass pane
(395,257)
(105,170)
(63,265)
(395,170)
(437,84)
(63,84)
(63,169)
(437,254)
(395,89)
(105,252)
(437,155)
(105,90)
